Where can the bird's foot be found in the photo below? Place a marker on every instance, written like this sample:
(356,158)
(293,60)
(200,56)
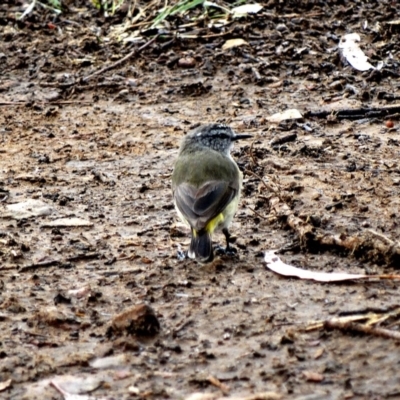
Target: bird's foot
(231,251)
(181,255)
(225,251)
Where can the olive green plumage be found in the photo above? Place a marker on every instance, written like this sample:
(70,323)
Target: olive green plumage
(206,185)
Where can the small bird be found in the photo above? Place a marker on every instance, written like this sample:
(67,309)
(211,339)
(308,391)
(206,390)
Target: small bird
(206,185)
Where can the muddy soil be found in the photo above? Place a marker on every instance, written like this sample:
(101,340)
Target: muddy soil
(88,231)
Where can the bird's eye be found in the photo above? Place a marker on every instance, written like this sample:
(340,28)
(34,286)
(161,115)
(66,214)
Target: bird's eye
(219,133)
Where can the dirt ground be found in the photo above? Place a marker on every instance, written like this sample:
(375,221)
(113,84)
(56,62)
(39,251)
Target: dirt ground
(88,231)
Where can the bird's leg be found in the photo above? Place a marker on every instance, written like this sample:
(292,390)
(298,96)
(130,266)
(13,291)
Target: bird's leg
(229,249)
(227,237)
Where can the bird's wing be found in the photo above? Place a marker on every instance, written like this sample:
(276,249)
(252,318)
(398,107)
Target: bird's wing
(201,205)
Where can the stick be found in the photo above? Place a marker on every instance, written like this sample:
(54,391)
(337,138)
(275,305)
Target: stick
(45,264)
(352,326)
(381,236)
(217,383)
(121,61)
(251,152)
(357,113)
(62,102)
(85,256)
(255,212)
(268,187)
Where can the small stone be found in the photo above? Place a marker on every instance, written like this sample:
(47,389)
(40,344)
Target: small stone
(187,62)
(312,376)
(133,390)
(138,320)
(281,27)
(115,361)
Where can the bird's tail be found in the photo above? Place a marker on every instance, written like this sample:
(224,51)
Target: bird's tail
(201,246)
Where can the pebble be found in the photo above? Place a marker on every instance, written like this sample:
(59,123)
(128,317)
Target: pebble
(187,62)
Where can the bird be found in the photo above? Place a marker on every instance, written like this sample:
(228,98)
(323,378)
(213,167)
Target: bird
(206,185)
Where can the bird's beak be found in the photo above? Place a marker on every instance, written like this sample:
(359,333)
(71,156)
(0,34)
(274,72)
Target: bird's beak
(240,137)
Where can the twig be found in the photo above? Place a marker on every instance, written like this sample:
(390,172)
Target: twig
(120,272)
(62,102)
(352,326)
(45,264)
(121,61)
(268,187)
(255,212)
(368,310)
(314,325)
(357,113)
(84,256)
(217,383)
(251,152)
(382,318)
(381,237)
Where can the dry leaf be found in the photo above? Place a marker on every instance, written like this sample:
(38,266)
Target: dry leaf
(395,22)
(5,384)
(351,51)
(110,362)
(291,113)
(229,44)
(77,384)
(318,353)
(275,264)
(246,9)
(27,209)
(67,222)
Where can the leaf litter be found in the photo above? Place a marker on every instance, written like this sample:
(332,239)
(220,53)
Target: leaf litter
(275,264)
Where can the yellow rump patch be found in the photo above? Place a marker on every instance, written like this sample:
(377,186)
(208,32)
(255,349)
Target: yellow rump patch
(212,225)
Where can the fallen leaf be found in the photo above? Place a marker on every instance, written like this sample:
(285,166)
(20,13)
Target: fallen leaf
(117,361)
(28,208)
(291,113)
(395,22)
(275,264)
(27,11)
(67,222)
(5,384)
(75,384)
(351,51)
(246,9)
(318,353)
(229,44)
(73,396)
